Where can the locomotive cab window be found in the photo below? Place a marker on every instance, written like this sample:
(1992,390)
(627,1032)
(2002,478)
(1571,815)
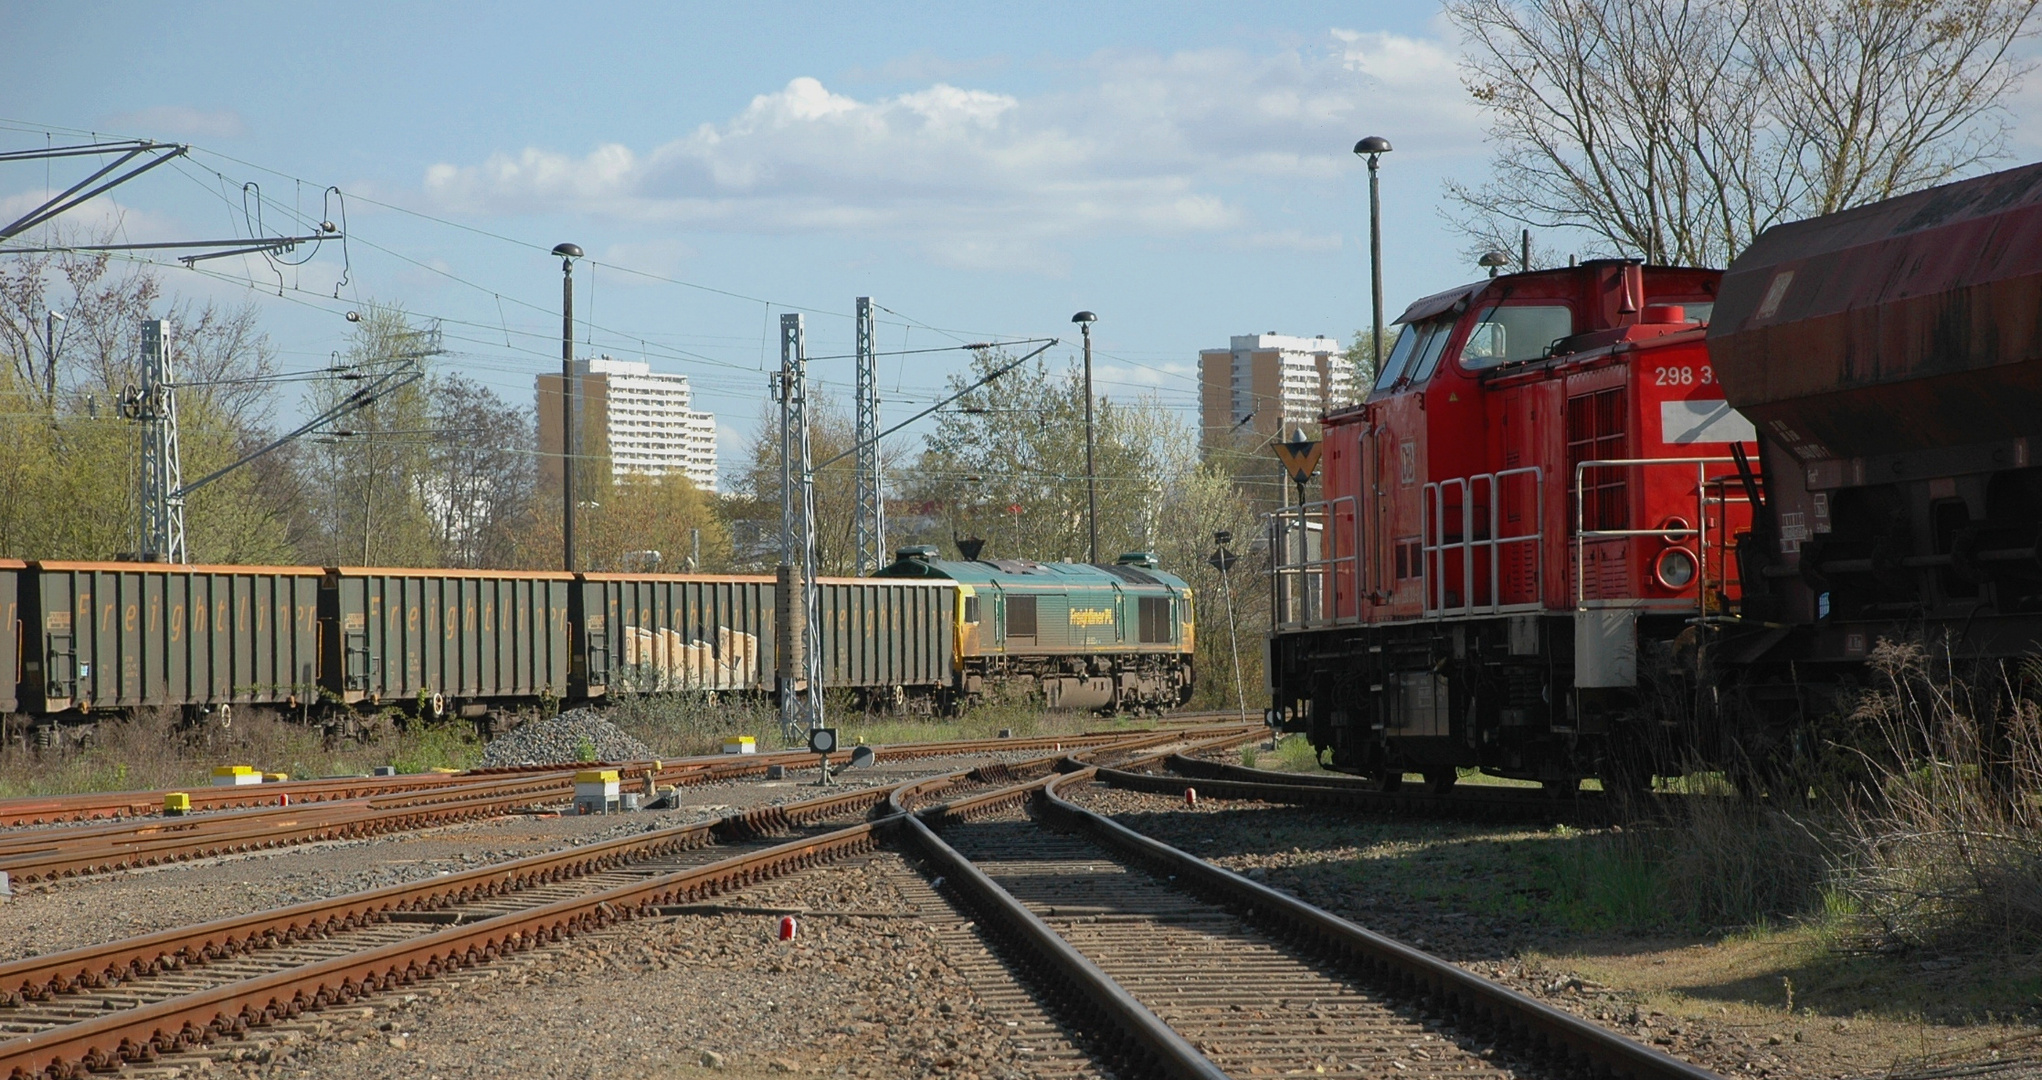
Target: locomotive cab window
(1514,333)
(971,609)
(1429,354)
(1408,340)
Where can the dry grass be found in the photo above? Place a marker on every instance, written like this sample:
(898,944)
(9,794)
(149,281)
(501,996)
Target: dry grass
(1944,847)
(153,750)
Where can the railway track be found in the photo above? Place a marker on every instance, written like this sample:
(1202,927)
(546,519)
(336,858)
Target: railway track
(29,855)
(58,809)
(1170,966)
(1205,974)
(94,1008)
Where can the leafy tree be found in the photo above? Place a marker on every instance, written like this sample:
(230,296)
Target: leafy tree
(644,522)
(371,471)
(69,484)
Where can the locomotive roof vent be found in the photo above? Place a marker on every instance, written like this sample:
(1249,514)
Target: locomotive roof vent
(1145,559)
(918,553)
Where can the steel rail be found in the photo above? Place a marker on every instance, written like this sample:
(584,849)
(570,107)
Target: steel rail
(101,966)
(52,809)
(1517,1017)
(1151,1039)
(140,1034)
(47,854)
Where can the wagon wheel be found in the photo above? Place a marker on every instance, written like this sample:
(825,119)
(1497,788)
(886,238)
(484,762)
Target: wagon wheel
(1440,780)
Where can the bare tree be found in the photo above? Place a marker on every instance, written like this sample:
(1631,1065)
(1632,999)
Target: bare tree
(479,478)
(1676,130)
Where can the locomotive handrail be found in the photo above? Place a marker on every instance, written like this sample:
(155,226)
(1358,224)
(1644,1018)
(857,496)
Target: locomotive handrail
(1433,544)
(1699,530)
(1305,575)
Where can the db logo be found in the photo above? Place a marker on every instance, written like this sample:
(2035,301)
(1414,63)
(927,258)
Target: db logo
(1407,461)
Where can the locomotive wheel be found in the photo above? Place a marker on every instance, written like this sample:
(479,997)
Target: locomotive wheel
(1391,780)
(1561,789)
(1441,780)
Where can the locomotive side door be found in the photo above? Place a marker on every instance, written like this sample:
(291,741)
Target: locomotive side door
(1399,469)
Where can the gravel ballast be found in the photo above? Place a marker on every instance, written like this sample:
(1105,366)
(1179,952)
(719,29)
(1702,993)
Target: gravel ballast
(869,988)
(575,735)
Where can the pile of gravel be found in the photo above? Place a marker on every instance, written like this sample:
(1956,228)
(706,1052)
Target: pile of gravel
(567,737)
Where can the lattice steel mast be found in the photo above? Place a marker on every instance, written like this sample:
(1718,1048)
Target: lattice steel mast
(800,624)
(155,405)
(871,485)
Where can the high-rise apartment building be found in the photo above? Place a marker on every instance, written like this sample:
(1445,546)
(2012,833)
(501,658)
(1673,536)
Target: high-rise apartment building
(1265,384)
(641,419)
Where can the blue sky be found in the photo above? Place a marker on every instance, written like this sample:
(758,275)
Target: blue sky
(981,170)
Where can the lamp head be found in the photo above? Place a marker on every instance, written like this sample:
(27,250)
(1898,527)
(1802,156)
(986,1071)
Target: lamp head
(1084,317)
(567,251)
(59,316)
(1371,146)
(1494,260)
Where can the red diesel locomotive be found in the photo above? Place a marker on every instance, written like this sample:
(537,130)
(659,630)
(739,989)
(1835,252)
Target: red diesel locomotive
(1618,520)
(1544,482)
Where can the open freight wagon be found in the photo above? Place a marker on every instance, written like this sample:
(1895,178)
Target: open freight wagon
(99,636)
(891,642)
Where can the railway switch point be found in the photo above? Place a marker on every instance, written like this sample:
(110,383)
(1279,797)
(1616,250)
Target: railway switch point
(235,775)
(596,791)
(177,803)
(787,927)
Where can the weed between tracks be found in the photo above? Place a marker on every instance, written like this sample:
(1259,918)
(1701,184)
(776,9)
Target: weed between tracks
(680,725)
(154,750)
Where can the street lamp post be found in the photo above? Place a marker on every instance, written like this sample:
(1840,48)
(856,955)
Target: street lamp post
(568,253)
(1085,319)
(1373,148)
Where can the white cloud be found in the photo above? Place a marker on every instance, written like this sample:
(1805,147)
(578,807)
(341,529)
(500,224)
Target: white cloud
(161,120)
(1141,144)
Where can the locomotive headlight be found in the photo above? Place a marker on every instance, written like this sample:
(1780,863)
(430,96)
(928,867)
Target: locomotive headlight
(1675,569)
